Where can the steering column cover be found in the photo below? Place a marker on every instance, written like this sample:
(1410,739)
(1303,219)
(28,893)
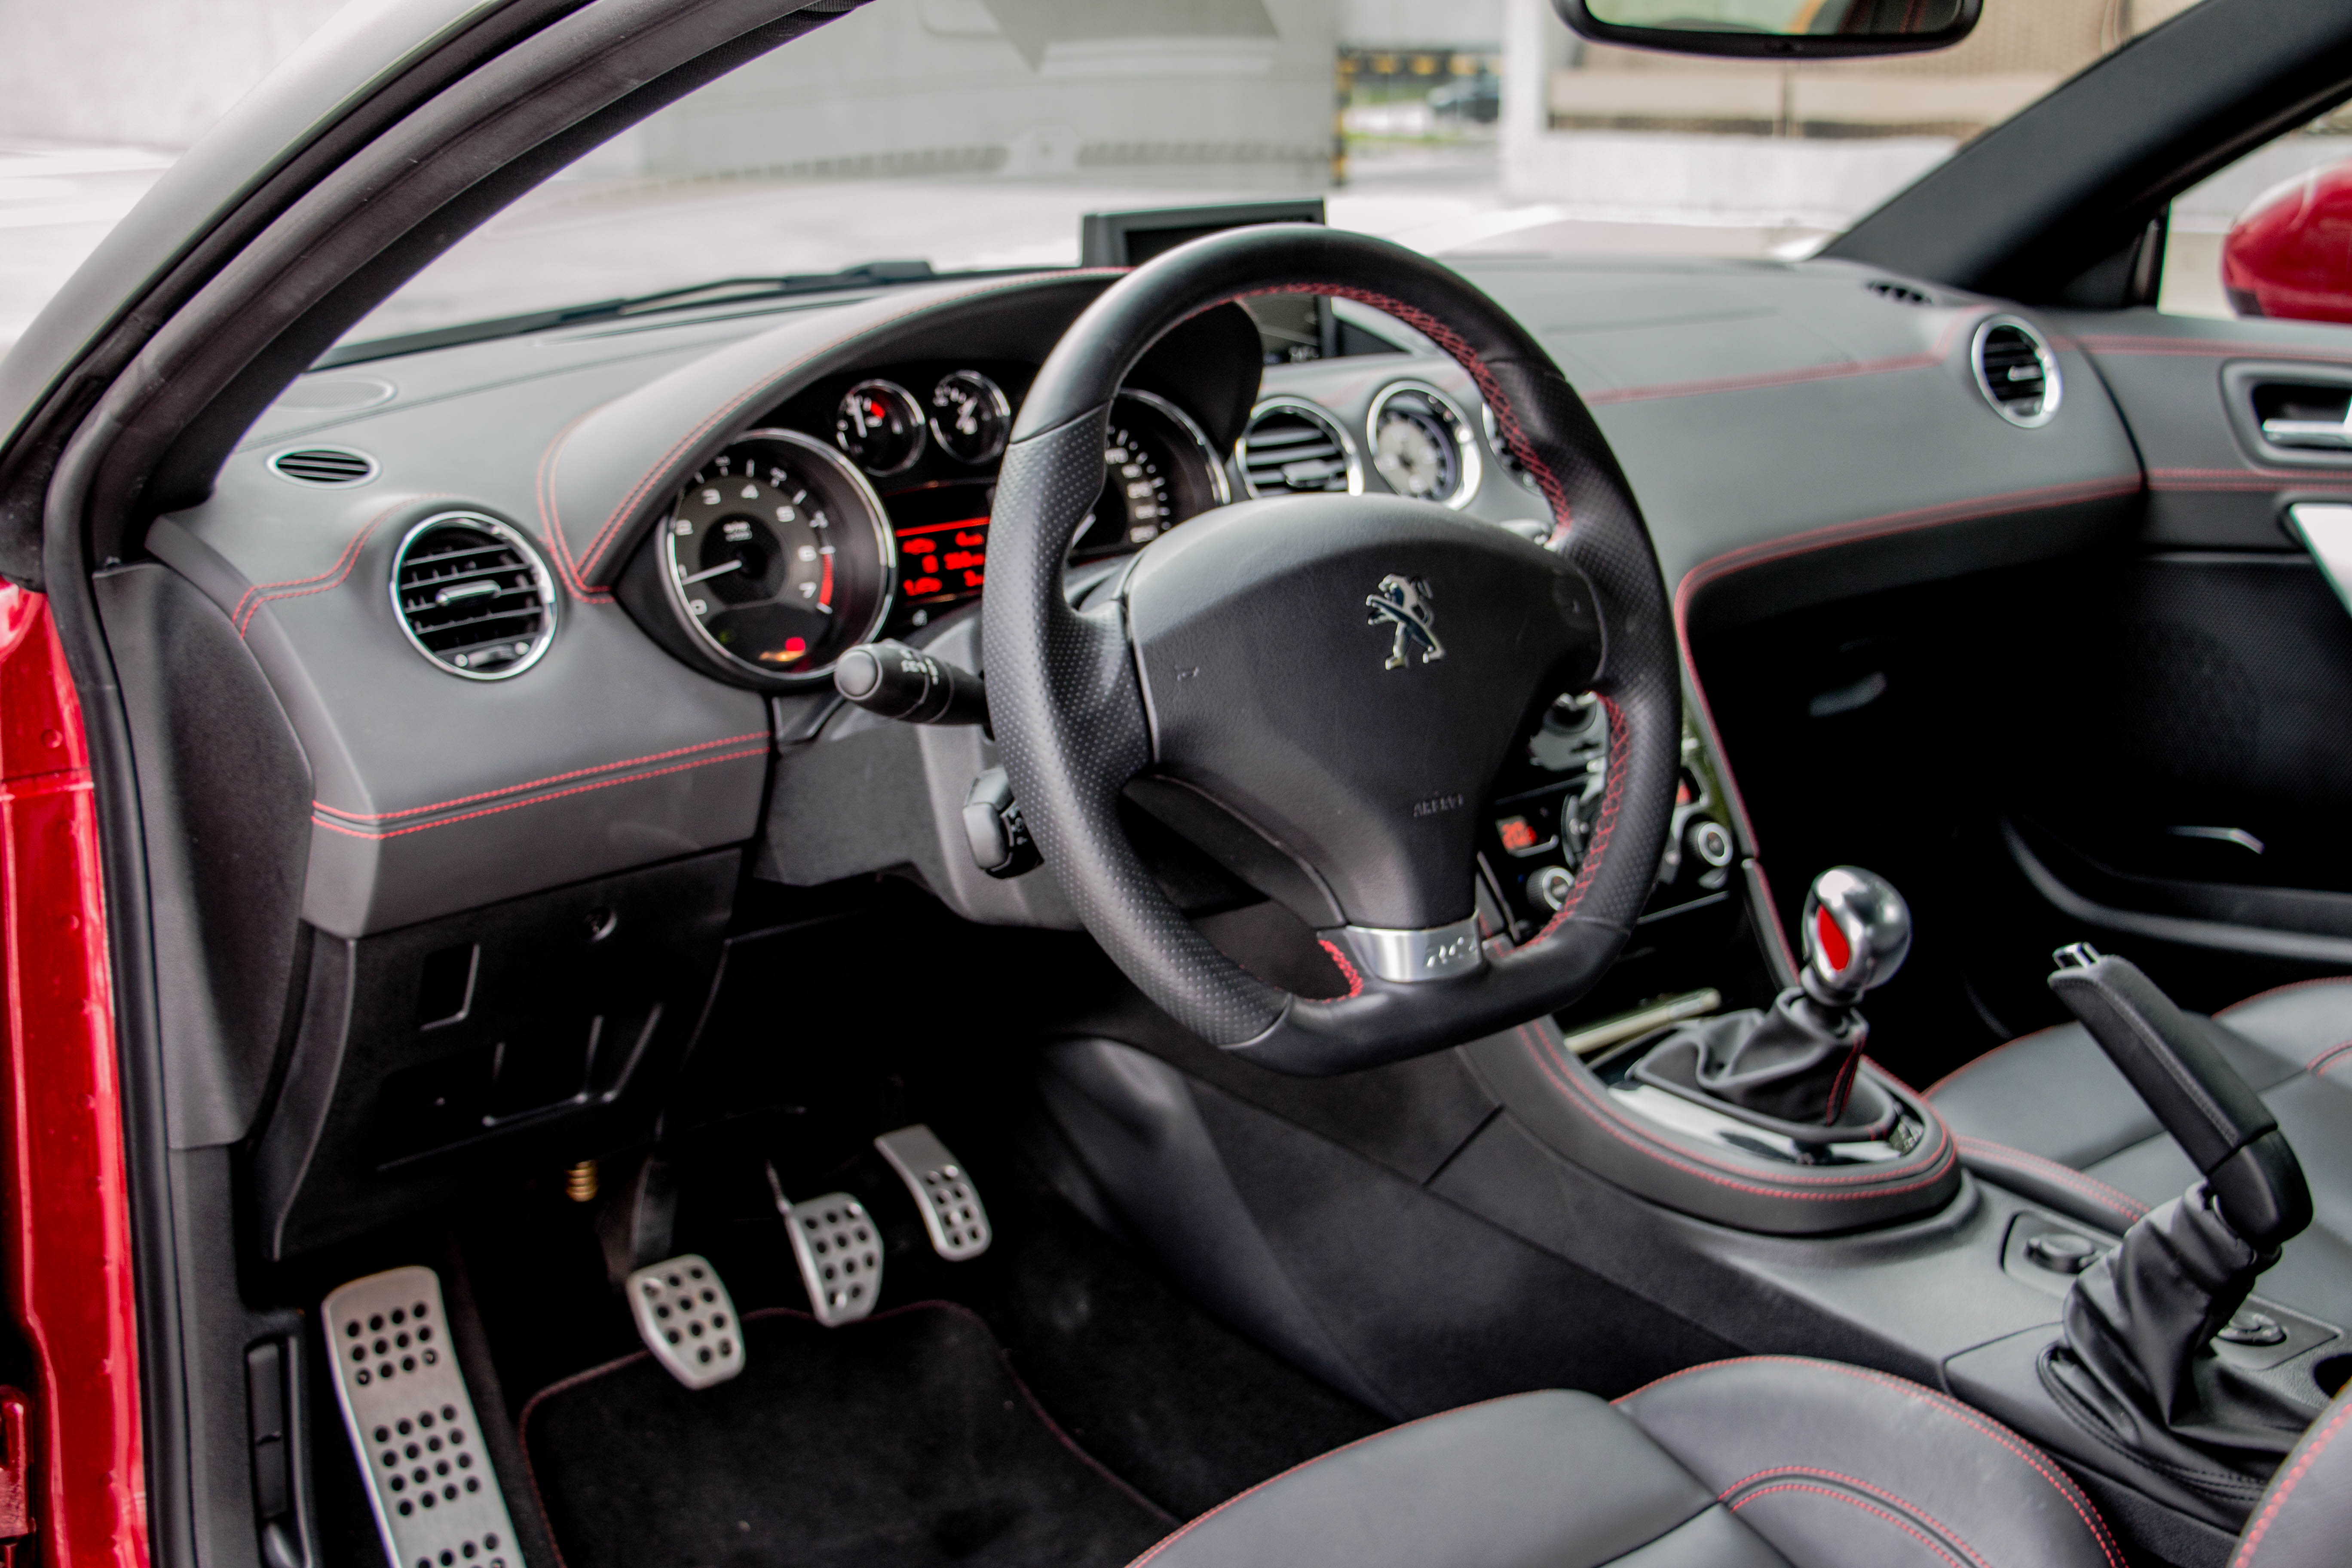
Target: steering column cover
(1067,702)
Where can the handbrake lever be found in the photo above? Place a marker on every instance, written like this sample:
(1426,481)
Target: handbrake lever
(2169,1057)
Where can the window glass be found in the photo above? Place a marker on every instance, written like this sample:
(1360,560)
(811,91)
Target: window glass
(2202,215)
(976,133)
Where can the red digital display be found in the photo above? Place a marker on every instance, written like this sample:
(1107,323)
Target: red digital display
(942,560)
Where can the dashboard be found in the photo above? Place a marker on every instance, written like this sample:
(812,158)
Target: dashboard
(518,652)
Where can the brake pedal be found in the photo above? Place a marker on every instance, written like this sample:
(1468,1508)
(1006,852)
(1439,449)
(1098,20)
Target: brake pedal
(839,1250)
(413,1424)
(688,1319)
(943,1191)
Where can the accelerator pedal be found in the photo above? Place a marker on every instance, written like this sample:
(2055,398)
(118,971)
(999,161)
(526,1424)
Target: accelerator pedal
(688,1319)
(412,1426)
(943,1191)
(839,1250)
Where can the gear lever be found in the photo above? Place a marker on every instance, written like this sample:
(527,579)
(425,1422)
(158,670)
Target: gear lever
(1795,1068)
(2139,1322)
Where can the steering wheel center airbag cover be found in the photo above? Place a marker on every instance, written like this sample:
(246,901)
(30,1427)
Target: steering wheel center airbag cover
(1347,673)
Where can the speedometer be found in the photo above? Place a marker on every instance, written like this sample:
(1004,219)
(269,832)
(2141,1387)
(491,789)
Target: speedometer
(1157,469)
(777,556)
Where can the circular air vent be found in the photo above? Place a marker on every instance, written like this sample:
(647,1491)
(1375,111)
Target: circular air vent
(473,596)
(2015,370)
(1503,453)
(1291,446)
(335,468)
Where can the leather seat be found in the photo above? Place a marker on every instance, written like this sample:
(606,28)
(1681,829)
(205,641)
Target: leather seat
(2048,1115)
(1764,1462)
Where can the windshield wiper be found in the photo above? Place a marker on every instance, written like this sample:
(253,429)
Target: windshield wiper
(724,291)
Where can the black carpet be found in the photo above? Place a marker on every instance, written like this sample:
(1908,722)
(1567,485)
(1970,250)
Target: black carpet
(902,1442)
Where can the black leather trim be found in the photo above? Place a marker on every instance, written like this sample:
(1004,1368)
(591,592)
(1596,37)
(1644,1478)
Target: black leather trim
(1558,1100)
(2302,1520)
(1901,1459)
(1551,1478)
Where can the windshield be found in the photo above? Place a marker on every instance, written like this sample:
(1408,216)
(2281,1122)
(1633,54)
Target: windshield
(979,133)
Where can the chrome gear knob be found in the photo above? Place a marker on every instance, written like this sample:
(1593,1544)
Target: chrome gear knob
(1857,931)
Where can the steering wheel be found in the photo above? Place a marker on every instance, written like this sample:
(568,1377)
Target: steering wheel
(1342,675)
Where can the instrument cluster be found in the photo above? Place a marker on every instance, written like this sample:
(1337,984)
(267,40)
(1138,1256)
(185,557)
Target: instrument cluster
(861,508)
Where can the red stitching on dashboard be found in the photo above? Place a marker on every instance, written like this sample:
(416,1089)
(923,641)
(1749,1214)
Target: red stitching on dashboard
(1614,1123)
(1765,552)
(537,783)
(1922,360)
(2218,349)
(535,800)
(550,531)
(2034,1458)
(768,379)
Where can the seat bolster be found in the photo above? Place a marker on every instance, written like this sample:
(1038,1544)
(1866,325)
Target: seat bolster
(2302,1521)
(1550,1480)
(2299,1025)
(1839,1466)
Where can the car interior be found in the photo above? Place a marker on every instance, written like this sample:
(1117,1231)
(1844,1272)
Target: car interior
(662,1023)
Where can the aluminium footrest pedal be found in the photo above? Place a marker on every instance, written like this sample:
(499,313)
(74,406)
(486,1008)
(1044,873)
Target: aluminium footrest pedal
(688,1319)
(412,1426)
(942,1190)
(839,1250)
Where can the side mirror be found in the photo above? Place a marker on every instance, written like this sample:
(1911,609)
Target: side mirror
(1777,29)
(2290,253)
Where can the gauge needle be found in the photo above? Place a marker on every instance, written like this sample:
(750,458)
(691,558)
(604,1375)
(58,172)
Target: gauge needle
(711,572)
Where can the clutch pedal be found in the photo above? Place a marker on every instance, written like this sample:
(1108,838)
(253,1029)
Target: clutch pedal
(839,1250)
(943,1191)
(413,1424)
(688,1319)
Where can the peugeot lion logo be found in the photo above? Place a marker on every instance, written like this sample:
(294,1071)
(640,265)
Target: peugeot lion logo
(1403,603)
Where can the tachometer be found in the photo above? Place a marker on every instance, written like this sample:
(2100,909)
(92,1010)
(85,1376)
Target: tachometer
(970,416)
(880,425)
(778,556)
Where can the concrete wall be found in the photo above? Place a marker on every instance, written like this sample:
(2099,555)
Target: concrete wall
(154,73)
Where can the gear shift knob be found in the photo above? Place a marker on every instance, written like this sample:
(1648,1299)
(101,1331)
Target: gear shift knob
(1857,931)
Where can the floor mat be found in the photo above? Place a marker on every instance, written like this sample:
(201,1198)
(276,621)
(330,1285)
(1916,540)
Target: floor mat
(900,1442)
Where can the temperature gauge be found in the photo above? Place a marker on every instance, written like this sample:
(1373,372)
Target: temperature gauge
(880,425)
(970,416)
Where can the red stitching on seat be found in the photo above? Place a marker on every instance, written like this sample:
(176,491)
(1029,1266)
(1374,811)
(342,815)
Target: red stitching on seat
(1909,1529)
(337,811)
(1613,1122)
(1931,1091)
(2327,1059)
(2081,1183)
(2283,990)
(1879,1492)
(1239,1497)
(1965,1415)
(347,832)
(2286,1485)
